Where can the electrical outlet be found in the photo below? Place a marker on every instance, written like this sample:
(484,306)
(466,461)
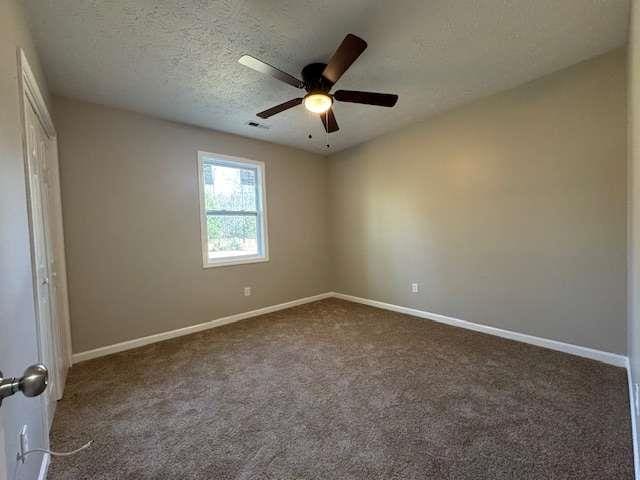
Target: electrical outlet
(23,443)
(247,291)
(636,391)
(415,288)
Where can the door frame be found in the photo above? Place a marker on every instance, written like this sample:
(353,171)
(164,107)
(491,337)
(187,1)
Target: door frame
(30,96)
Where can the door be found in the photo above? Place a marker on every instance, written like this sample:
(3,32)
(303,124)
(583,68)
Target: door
(42,254)
(57,265)
(18,334)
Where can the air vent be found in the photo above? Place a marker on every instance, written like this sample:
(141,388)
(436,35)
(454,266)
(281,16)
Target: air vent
(257,125)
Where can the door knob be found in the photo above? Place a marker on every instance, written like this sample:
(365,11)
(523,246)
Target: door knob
(32,383)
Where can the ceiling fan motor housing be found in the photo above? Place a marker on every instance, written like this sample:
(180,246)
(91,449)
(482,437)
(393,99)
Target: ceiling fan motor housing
(313,79)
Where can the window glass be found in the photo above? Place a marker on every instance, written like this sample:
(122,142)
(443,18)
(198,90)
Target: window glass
(232,200)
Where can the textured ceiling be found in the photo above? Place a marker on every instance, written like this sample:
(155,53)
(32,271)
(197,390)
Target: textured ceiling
(178,59)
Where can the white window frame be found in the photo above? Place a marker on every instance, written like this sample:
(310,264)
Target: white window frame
(263,236)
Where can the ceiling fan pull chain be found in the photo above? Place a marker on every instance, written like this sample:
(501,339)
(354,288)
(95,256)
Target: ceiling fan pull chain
(326,131)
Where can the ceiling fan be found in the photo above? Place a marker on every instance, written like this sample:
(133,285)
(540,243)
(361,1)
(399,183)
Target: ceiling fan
(318,79)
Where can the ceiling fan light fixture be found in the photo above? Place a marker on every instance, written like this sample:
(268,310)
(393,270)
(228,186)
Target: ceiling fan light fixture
(317,102)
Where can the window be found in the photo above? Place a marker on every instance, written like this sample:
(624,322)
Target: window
(232,210)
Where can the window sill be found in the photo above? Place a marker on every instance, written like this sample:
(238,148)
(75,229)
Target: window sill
(235,261)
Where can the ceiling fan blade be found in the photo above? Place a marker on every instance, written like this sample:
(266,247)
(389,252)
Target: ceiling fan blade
(280,108)
(329,121)
(347,53)
(368,98)
(262,67)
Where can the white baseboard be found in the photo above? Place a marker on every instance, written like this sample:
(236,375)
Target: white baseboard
(44,467)
(158,337)
(634,426)
(605,357)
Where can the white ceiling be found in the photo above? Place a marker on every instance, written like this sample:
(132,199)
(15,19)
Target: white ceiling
(177,59)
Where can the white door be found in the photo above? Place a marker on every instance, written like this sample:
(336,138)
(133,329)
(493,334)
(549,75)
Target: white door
(57,267)
(37,172)
(3,459)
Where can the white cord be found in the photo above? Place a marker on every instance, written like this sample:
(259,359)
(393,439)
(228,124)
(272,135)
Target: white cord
(55,454)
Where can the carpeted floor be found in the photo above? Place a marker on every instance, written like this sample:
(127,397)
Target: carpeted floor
(336,390)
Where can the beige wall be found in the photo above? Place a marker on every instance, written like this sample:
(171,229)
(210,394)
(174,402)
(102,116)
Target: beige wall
(508,212)
(634,198)
(18,343)
(132,231)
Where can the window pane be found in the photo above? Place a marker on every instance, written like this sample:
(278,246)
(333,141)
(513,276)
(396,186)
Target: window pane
(232,235)
(229,188)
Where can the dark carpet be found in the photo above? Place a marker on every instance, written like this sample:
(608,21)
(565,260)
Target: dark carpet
(336,390)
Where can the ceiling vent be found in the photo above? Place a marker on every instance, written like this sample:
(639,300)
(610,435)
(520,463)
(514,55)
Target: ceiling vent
(257,125)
